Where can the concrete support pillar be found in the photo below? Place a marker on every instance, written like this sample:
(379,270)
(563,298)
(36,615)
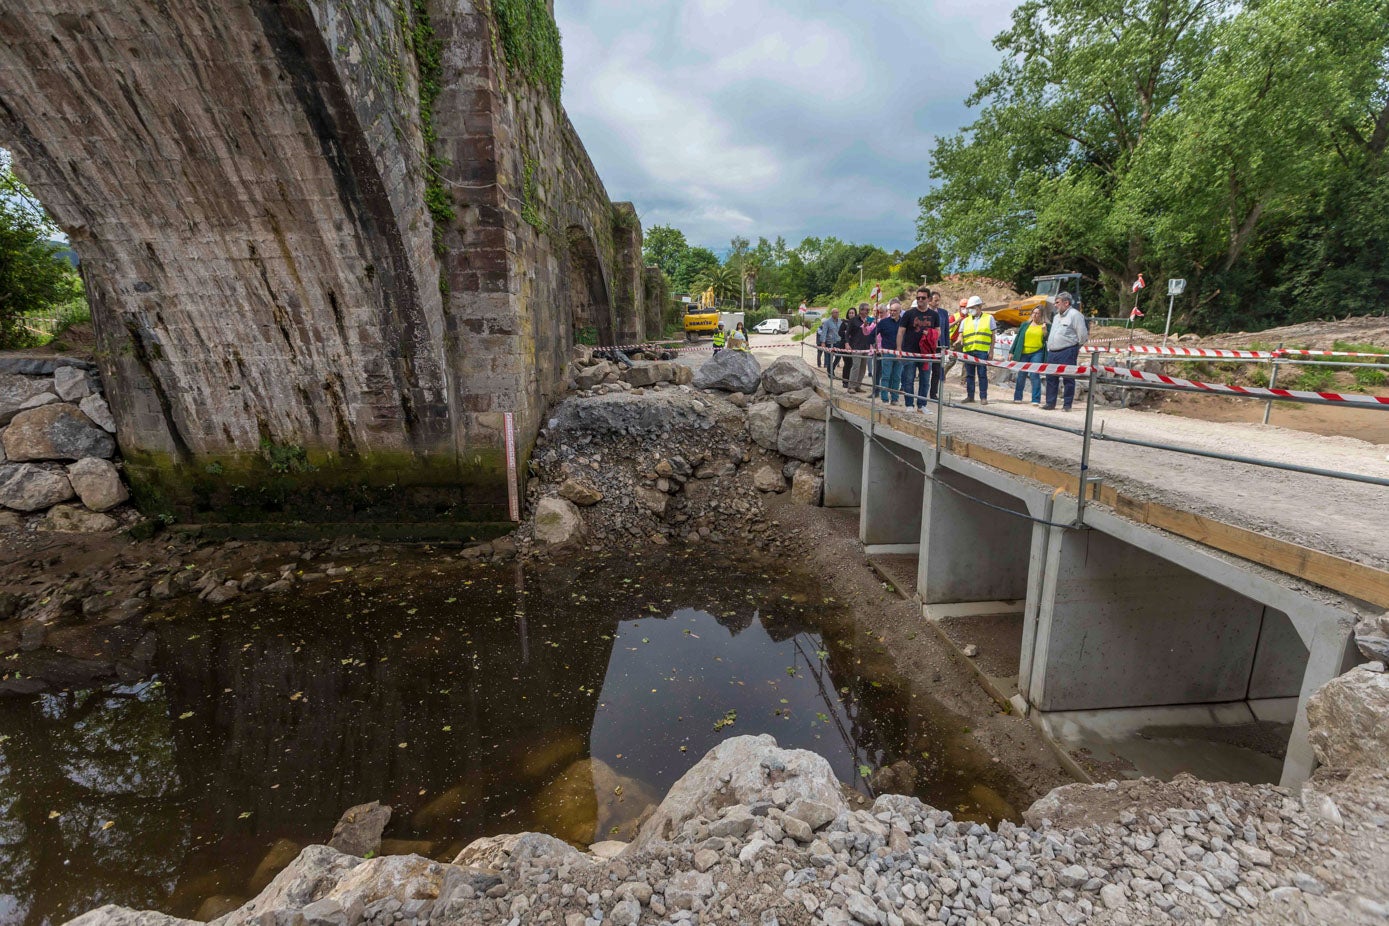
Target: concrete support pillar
(1280,660)
(890,505)
(1331,653)
(843,464)
(970,551)
(1120,627)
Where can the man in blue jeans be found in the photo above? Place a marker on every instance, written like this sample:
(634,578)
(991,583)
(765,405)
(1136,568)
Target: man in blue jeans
(1068,334)
(977,341)
(911,369)
(891,370)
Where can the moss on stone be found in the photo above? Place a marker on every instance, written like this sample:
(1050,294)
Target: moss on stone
(319,487)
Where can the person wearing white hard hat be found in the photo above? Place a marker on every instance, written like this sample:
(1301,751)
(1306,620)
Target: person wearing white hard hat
(977,341)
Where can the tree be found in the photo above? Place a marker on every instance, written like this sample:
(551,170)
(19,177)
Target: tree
(1032,182)
(665,247)
(33,275)
(1239,145)
(920,263)
(723,279)
(697,261)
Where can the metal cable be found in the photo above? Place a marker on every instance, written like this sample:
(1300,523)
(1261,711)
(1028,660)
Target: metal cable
(963,494)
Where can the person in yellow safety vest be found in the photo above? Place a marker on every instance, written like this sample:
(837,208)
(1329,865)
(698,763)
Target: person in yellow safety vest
(720,338)
(977,341)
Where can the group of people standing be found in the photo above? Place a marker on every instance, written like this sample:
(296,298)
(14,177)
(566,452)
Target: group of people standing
(927,327)
(737,339)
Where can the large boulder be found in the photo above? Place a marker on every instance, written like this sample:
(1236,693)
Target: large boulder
(95,408)
(98,483)
(769,479)
(1348,719)
(807,486)
(1372,637)
(26,487)
(358,831)
(580,491)
(787,374)
(763,424)
(15,390)
(743,770)
(557,522)
(816,407)
(731,371)
(74,519)
(56,432)
(589,377)
(72,384)
(801,438)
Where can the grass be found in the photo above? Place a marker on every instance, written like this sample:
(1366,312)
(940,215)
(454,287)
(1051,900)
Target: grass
(1368,379)
(1315,380)
(36,325)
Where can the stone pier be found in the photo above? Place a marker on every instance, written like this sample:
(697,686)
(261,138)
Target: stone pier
(328,245)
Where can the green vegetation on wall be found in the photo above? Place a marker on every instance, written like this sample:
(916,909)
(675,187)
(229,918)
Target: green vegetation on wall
(428,52)
(530,40)
(530,198)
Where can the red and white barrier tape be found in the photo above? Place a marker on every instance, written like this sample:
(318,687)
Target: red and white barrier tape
(1329,353)
(1244,354)
(1259,392)
(1199,352)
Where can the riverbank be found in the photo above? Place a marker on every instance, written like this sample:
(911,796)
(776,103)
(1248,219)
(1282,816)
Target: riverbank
(757,834)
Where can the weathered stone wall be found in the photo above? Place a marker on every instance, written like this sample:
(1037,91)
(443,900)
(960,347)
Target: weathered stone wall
(247,185)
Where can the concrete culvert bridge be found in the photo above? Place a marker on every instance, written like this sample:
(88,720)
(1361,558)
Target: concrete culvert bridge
(1145,651)
(348,233)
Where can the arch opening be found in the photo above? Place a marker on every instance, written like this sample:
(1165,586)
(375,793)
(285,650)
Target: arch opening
(590,306)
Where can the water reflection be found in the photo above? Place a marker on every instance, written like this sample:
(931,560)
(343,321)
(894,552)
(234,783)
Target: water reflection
(473,699)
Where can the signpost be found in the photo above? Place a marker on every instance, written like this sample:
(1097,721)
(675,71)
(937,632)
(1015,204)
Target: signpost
(1175,287)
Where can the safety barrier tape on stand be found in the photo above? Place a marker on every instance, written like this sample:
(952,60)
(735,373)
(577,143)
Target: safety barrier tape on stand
(684,347)
(1245,354)
(1256,391)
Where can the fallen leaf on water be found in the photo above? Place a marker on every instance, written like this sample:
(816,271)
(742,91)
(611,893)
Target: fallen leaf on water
(185,715)
(108,824)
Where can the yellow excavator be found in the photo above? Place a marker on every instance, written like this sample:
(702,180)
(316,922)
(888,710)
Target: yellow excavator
(1013,314)
(701,316)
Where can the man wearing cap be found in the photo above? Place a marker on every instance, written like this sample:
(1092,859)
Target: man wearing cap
(977,341)
(1068,333)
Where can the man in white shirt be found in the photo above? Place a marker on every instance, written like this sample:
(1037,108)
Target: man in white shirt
(1068,334)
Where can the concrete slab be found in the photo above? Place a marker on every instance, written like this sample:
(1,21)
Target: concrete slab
(1216,742)
(890,506)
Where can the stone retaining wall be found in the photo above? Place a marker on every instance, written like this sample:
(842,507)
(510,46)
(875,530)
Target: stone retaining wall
(58,456)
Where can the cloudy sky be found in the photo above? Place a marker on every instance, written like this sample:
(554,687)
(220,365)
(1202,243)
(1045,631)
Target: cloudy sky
(773,117)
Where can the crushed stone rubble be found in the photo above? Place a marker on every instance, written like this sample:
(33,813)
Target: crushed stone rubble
(791,852)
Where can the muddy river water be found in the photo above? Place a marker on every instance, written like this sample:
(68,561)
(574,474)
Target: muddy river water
(474,699)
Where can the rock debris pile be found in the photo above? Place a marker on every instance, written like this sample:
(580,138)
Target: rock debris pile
(757,834)
(667,461)
(57,445)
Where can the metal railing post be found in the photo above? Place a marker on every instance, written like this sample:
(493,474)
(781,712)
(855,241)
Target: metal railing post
(940,399)
(872,398)
(1085,440)
(1272,381)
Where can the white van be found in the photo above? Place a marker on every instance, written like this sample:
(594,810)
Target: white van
(772,326)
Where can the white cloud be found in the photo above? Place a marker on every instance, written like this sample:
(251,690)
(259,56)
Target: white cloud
(770,117)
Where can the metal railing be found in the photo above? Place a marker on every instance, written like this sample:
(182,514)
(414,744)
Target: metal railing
(1093,373)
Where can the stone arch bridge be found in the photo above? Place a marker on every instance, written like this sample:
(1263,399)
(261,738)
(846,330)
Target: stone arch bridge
(328,244)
